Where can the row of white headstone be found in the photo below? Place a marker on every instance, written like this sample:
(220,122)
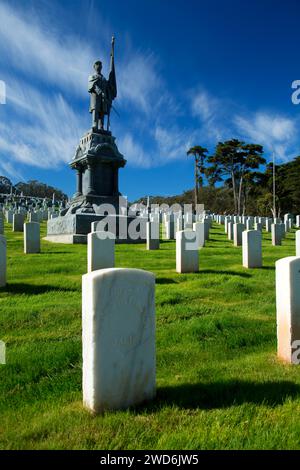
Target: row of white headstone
(287,278)
(256,219)
(17,218)
(238,228)
(124,373)
(276,227)
(119,348)
(176,222)
(251,239)
(31,245)
(188,241)
(118,322)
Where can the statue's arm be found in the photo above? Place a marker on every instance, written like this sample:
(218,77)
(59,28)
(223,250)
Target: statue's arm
(91,84)
(94,86)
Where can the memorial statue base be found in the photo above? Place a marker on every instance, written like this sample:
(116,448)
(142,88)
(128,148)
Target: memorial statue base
(74,228)
(97,161)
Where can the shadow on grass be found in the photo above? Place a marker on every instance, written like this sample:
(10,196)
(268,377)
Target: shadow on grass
(165,280)
(224,394)
(228,273)
(58,253)
(268,268)
(31,289)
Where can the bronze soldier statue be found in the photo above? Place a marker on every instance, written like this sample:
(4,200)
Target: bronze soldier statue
(103,92)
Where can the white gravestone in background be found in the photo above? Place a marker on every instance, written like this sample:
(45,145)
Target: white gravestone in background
(18,222)
(287,225)
(276,234)
(170,229)
(268,224)
(2,352)
(298,243)
(249,225)
(152,235)
(187,255)
(237,233)
(9,216)
(188,220)
(199,228)
(252,251)
(206,228)
(288,308)
(179,223)
(100,251)
(230,230)
(2,261)
(33,217)
(258,226)
(118,336)
(227,220)
(32,237)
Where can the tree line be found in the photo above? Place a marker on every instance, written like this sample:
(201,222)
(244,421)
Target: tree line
(242,169)
(31,188)
(237,179)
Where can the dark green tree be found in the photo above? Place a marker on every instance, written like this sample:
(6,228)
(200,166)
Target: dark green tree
(235,160)
(38,189)
(213,175)
(5,185)
(199,154)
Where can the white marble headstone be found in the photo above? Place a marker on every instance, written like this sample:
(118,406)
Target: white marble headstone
(118,336)
(288,308)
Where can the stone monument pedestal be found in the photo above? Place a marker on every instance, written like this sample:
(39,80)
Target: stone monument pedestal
(97,161)
(74,228)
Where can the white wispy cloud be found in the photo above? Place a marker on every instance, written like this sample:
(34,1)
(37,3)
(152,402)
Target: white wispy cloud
(172,142)
(45,131)
(275,132)
(205,106)
(211,112)
(139,82)
(223,119)
(53,58)
(134,152)
(11,171)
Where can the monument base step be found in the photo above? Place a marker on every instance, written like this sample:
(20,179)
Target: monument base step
(67,239)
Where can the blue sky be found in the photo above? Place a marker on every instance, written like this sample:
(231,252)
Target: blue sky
(189,73)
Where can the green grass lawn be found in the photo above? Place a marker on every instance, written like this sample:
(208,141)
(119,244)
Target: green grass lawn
(219,384)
